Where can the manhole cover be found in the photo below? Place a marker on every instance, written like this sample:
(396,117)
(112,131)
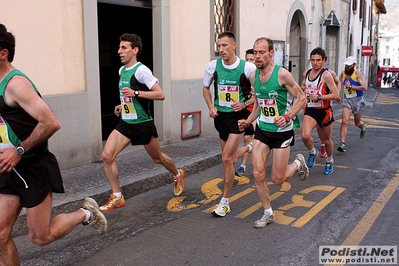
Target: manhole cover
(184,151)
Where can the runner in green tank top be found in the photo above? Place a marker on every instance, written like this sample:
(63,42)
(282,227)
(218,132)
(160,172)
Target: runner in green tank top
(29,172)
(137,86)
(231,90)
(276,110)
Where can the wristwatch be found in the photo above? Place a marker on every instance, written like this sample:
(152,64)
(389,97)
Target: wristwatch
(246,104)
(136,93)
(20,150)
(319,97)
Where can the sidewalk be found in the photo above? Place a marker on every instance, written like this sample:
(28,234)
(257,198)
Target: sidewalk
(138,174)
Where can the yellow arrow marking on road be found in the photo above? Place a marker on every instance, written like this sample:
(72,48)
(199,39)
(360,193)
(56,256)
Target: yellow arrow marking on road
(211,191)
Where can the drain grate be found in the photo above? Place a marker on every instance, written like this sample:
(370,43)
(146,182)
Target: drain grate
(183,151)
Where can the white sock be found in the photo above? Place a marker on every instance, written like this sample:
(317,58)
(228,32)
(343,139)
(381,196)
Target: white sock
(249,148)
(298,163)
(322,144)
(118,195)
(178,175)
(224,201)
(329,160)
(312,151)
(243,166)
(269,211)
(88,214)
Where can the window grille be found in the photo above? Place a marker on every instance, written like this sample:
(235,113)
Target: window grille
(224,17)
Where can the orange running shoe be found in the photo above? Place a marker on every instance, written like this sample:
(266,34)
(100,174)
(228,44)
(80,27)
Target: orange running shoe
(179,186)
(113,203)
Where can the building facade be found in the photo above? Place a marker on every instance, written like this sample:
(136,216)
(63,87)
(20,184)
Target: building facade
(69,49)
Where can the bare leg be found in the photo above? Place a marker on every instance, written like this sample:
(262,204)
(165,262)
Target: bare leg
(42,230)
(229,149)
(260,155)
(116,142)
(10,209)
(281,170)
(346,113)
(154,150)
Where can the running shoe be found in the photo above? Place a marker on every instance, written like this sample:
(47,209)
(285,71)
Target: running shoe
(240,171)
(303,170)
(178,182)
(323,151)
(266,219)
(341,147)
(329,168)
(113,203)
(363,132)
(97,220)
(221,210)
(311,159)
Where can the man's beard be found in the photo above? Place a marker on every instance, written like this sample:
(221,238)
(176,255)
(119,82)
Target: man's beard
(349,71)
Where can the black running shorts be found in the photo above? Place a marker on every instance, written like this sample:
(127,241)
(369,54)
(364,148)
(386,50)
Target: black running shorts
(275,140)
(227,123)
(32,179)
(323,117)
(139,134)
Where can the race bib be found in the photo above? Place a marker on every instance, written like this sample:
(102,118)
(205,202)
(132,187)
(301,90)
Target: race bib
(268,109)
(4,140)
(228,95)
(128,110)
(310,102)
(350,93)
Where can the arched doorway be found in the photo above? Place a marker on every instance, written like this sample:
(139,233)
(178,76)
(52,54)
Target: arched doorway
(297,39)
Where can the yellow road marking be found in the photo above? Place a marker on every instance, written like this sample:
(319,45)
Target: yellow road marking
(364,226)
(318,207)
(233,198)
(360,231)
(284,187)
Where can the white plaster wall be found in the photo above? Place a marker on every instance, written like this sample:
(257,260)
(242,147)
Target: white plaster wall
(63,63)
(190,33)
(49,42)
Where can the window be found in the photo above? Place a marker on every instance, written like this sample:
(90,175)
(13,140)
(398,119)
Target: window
(224,17)
(386,61)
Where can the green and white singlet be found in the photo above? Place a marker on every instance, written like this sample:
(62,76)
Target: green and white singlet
(15,123)
(134,110)
(229,85)
(273,101)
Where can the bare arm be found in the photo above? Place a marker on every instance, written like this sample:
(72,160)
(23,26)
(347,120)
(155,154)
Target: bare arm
(303,84)
(287,80)
(360,78)
(244,123)
(20,92)
(213,112)
(327,79)
(336,80)
(155,93)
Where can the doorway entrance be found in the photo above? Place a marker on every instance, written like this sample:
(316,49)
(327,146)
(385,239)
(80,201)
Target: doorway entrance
(113,21)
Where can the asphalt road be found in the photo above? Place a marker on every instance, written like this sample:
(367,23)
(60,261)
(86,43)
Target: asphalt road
(356,205)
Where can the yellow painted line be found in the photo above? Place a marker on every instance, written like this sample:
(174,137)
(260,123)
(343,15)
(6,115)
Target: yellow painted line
(318,207)
(257,206)
(363,227)
(233,198)
(347,167)
(284,188)
(360,231)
